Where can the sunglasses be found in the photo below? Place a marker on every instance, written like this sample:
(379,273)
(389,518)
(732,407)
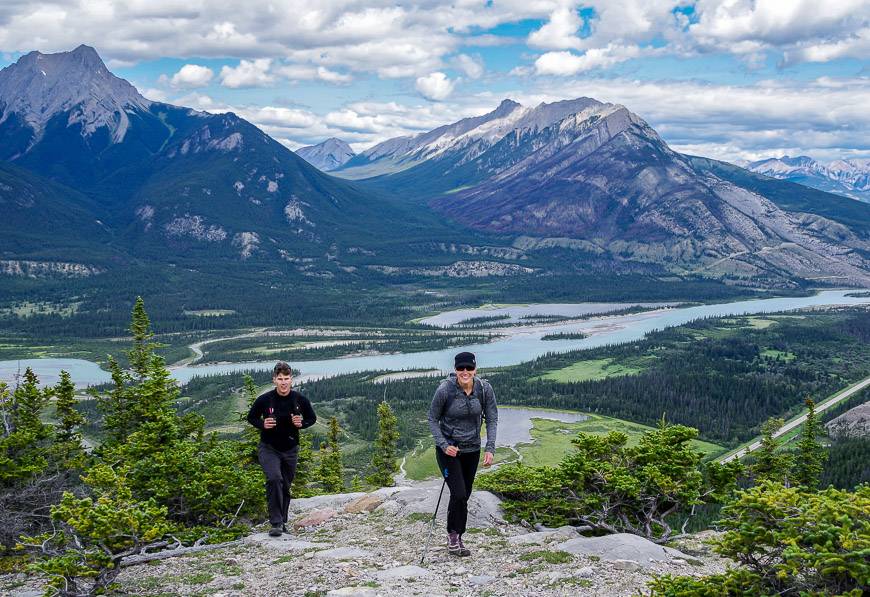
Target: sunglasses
(466,368)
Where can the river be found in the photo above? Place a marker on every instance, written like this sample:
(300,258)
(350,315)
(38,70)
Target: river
(520,343)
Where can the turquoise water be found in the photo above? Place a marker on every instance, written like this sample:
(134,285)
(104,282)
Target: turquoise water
(522,344)
(516,313)
(515,423)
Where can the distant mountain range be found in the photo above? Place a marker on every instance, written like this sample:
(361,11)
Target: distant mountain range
(596,177)
(99,177)
(328,155)
(850,177)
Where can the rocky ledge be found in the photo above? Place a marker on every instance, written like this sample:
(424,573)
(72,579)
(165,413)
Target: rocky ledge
(370,544)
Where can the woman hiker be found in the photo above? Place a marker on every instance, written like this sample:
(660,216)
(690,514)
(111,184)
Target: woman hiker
(458,408)
(279,414)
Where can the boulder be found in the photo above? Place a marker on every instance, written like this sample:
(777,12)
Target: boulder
(389,507)
(319,502)
(627,565)
(366,503)
(484,508)
(621,546)
(314,518)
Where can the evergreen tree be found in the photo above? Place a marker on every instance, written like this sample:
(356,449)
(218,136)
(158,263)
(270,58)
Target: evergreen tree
(384,456)
(811,455)
(143,347)
(305,470)
(167,456)
(115,405)
(23,445)
(769,463)
(251,435)
(330,460)
(68,438)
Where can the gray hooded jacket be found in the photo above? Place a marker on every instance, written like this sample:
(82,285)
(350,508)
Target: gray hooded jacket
(455,419)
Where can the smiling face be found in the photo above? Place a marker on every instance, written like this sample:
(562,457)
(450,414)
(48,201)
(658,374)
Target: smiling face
(465,374)
(283,382)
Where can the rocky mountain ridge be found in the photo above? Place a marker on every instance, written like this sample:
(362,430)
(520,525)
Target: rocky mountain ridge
(468,137)
(162,183)
(599,174)
(371,544)
(847,177)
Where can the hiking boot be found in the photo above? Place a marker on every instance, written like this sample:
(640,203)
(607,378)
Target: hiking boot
(275,531)
(453,546)
(463,551)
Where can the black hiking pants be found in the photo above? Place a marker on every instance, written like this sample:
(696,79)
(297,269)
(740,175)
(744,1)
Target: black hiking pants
(279,468)
(461,470)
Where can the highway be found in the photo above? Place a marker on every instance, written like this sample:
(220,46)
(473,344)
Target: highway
(797,421)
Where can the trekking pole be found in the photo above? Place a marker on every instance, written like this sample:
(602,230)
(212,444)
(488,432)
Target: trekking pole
(434,516)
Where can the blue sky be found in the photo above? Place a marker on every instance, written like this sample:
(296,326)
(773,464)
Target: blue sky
(730,79)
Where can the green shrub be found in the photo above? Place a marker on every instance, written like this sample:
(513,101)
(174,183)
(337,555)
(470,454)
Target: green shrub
(789,541)
(608,486)
(82,557)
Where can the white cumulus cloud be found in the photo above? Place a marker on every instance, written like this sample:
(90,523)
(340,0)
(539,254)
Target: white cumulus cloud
(566,64)
(305,72)
(802,29)
(435,86)
(249,73)
(191,76)
(560,32)
(472,66)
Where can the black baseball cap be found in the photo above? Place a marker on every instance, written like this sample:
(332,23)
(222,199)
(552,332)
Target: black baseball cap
(464,359)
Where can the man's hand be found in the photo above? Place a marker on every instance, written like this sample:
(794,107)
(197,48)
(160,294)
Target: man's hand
(451,450)
(269,422)
(297,421)
(487,458)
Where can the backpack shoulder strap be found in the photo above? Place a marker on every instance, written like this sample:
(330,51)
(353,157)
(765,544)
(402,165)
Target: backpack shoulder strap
(447,404)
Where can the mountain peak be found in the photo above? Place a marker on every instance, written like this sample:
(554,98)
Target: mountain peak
(87,54)
(39,87)
(328,155)
(850,178)
(506,107)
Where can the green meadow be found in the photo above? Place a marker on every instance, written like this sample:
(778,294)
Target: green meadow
(551,441)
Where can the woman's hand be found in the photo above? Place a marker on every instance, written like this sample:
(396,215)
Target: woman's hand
(451,450)
(487,458)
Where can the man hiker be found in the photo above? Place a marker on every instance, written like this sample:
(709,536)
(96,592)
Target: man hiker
(279,414)
(460,405)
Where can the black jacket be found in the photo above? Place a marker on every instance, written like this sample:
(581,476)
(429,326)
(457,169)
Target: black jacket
(284,435)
